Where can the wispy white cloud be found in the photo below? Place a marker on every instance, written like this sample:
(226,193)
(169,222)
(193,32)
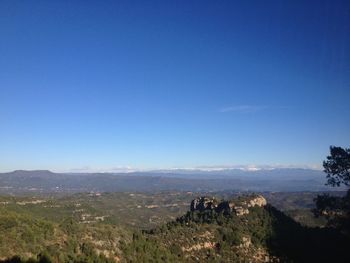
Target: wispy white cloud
(116,169)
(207,168)
(256,167)
(243,108)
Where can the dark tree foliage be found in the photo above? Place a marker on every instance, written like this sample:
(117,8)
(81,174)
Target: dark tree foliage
(87,255)
(337,166)
(336,209)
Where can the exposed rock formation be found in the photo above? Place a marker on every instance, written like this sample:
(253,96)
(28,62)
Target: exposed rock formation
(239,207)
(259,200)
(204,203)
(239,210)
(246,242)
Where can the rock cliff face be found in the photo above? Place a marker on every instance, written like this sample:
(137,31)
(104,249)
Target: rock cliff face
(259,200)
(204,203)
(239,207)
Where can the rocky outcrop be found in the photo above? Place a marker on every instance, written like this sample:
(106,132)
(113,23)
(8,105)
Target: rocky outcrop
(239,207)
(240,211)
(204,245)
(246,242)
(204,203)
(259,200)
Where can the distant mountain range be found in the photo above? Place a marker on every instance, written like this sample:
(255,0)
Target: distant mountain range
(284,179)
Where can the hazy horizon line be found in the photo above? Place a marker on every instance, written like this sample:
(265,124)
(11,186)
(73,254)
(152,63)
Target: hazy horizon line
(204,168)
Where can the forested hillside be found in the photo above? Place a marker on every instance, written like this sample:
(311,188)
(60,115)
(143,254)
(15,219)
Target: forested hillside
(242,229)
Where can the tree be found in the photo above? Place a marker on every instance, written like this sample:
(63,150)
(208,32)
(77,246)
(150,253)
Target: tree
(335,208)
(337,166)
(44,258)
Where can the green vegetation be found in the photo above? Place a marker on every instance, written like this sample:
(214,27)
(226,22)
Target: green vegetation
(67,241)
(337,166)
(63,227)
(71,229)
(139,210)
(263,233)
(336,209)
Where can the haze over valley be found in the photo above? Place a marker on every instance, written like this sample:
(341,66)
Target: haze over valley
(277,180)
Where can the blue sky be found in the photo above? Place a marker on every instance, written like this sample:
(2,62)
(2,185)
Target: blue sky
(160,84)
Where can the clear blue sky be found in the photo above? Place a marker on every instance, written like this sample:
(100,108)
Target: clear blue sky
(158,84)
